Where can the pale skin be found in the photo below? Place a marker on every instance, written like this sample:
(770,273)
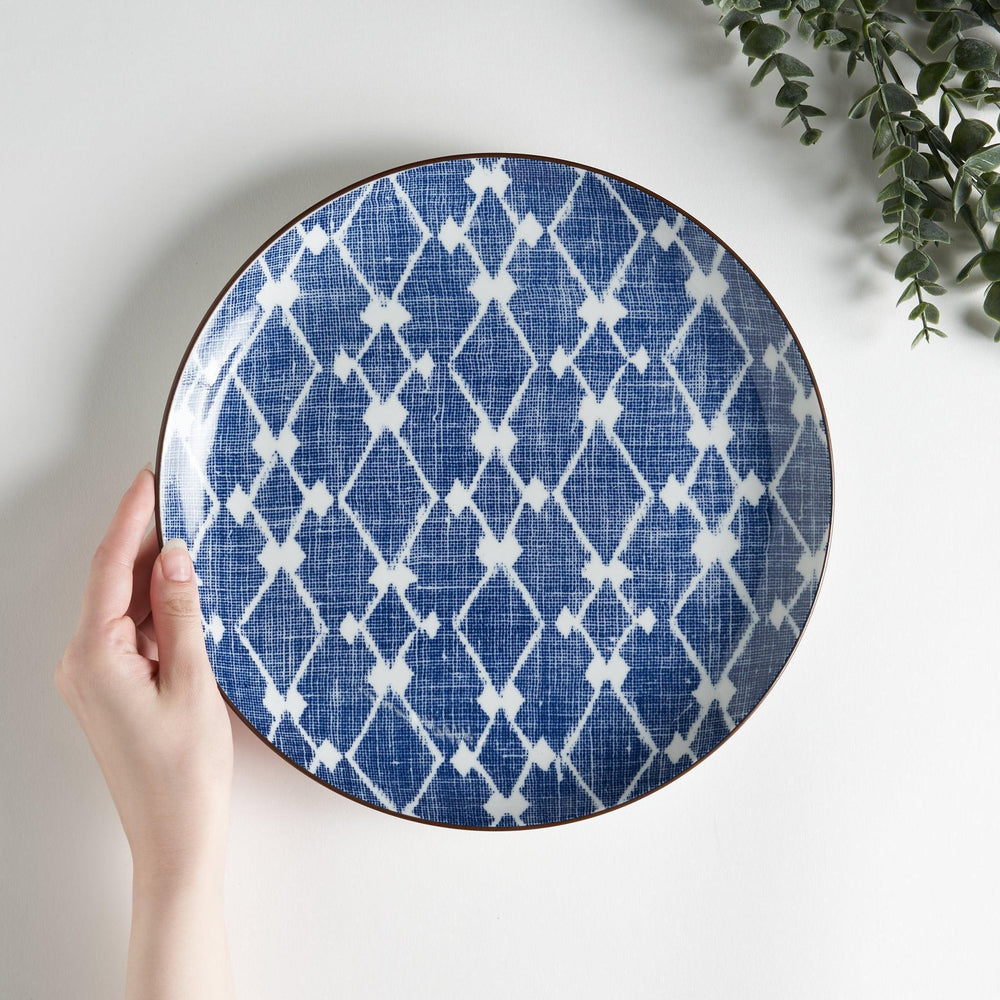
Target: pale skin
(137,677)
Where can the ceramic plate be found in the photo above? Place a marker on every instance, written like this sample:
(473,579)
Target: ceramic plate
(508,488)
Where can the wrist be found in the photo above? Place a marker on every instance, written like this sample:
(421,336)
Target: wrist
(164,877)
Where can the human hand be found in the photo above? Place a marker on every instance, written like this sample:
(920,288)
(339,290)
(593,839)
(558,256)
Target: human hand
(137,677)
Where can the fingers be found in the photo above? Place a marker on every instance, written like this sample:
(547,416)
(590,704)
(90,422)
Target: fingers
(109,586)
(180,638)
(138,609)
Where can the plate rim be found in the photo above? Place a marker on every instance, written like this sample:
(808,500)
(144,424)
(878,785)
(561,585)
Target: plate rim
(199,330)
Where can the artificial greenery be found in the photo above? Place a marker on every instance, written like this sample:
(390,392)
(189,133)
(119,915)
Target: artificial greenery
(930,83)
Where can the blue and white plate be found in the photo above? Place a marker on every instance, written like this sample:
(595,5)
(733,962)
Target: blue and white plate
(508,488)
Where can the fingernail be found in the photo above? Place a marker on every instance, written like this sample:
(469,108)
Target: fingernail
(176,561)
(148,467)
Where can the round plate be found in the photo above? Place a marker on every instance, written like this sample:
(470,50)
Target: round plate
(508,489)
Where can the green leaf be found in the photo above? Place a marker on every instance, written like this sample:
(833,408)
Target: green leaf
(976,82)
(733,19)
(913,263)
(892,208)
(765,67)
(897,98)
(812,112)
(883,138)
(991,201)
(911,125)
(898,154)
(932,289)
(863,104)
(989,264)
(973,54)
(969,136)
(987,159)
(832,37)
(894,189)
(968,268)
(932,76)
(927,310)
(789,66)
(764,40)
(991,303)
(852,39)
(960,195)
(933,232)
(810,137)
(981,217)
(966,19)
(943,31)
(908,292)
(916,167)
(944,113)
(790,95)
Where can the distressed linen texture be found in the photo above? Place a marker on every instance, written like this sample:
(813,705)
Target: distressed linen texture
(508,491)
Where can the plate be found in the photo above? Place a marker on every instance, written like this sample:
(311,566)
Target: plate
(508,488)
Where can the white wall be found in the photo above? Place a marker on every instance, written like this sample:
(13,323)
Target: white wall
(842,844)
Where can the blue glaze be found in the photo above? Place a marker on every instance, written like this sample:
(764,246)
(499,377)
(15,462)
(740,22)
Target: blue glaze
(508,490)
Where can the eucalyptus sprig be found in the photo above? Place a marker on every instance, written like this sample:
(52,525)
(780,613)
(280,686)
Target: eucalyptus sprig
(943,166)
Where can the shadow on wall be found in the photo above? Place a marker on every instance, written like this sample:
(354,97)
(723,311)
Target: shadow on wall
(65,861)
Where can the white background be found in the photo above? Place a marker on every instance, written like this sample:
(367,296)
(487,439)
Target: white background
(842,844)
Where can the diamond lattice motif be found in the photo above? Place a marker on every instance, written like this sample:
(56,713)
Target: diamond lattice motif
(606,619)
(400,773)
(275,370)
(490,231)
(714,619)
(508,490)
(384,363)
(387,496)
(277,501)
(602,494)
(600,360)
(597,232)
(281,653)
(382,237)
(493,363)
(390,623)
(503,754)
(498,625)
(610,750)
(496,496)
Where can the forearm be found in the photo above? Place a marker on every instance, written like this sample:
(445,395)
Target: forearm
(178,948)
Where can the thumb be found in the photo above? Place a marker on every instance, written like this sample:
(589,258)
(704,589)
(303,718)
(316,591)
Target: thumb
(180,638)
